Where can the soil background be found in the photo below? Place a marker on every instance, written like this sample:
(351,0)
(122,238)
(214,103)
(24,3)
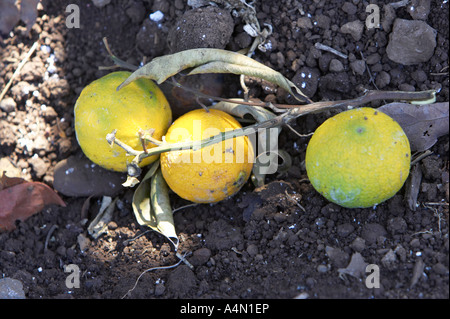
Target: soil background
(282,241)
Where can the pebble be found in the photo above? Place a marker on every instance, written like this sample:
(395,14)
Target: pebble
(371,232)
(322,268)
(338,257)
(358,67)
(349,8)
(411,42)
(79,177)
(304,23)
(419,9)
(39,166)
(101,3)
(252,250)
(389,259)
(11,289)
(419,76)
(358,244)
(8,105)
(354,28)
(200,256)
(307,79)
(397,225)
(373,59)
(336,66)
(383,79)
(344,230)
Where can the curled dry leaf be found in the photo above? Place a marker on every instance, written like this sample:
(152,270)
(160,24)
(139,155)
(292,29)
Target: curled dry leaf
(22,200)
(207,60)
(151,204)
(423,124)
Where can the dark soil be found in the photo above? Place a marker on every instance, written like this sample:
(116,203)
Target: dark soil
(284,241)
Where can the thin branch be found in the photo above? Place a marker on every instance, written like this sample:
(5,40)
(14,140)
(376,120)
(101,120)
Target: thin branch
(118,62)
(19,68)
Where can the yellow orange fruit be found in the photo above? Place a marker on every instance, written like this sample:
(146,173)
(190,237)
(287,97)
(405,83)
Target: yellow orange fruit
(214,172)
(100,108)
(358,158)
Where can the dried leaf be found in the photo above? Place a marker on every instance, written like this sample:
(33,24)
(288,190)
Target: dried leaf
(151,204)
(423,124)
(28,12)
(159,196)
(207,60)
(356,268)
(23,200)
(6,181)
(141,198)
(9,15)
(100,223)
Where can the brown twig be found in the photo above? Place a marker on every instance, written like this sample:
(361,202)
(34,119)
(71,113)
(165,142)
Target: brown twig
(19,68)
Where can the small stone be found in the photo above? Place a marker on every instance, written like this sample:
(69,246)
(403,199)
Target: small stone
(307,79)
(397,225)
(354,28)
(39,166)
(419,76)
(389,259)
(383,79)
(322,21)
(11,289)
(419,9)
(411,42)
(252,250)
(322,268)
(373,59)
(344,230)
(200,256)
(304,23)
(336,66)
(349,8)
(101,3)
(79,177)
(8,105)
(371,232)
(338,257)
(389,16)
(358,244)
(160,289)
(358,67)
